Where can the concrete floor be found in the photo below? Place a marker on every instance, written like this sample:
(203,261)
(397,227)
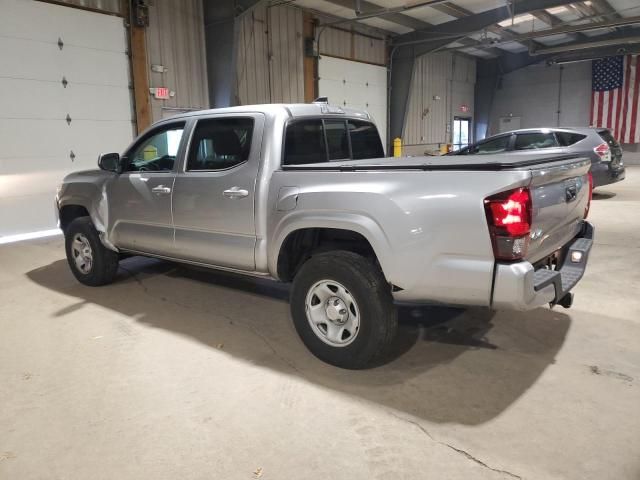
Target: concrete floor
(174,373)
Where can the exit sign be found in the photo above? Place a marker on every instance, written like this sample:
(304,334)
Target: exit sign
(464,108)
(161,93)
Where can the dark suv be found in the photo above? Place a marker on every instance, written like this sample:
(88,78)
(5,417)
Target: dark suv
(596,143)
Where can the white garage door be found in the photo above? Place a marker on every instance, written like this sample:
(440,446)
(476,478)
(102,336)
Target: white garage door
(64,98)
(357,85)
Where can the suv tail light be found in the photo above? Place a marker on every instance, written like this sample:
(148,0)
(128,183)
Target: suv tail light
(509,218)
(604,152)
(586,210)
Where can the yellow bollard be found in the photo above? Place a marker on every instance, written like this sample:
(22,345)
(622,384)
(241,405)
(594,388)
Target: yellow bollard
(397,147)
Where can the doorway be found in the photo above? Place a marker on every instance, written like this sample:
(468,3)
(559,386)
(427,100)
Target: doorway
(461,132)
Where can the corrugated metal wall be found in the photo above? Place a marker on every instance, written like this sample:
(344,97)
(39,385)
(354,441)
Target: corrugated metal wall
(175,40)
(353,45)
(441,84)
(269,56)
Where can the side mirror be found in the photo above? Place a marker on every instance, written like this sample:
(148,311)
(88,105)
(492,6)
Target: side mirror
(109,162)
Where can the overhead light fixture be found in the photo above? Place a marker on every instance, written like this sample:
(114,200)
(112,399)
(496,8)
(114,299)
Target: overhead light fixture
(556,10)
(525,17)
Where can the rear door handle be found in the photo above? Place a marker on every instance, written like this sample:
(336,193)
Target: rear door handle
(161,189)
(235,192)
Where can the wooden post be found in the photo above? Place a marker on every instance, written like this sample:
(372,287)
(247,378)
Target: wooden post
(139,73)
(310,64)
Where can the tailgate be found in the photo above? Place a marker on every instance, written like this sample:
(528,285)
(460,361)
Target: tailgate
(559,195)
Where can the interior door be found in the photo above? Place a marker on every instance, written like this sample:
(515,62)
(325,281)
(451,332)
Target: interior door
(140,197)
(213,195)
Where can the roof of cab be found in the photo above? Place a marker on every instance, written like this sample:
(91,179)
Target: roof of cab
(293,109)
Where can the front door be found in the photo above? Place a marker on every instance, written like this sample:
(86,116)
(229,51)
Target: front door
(213,194)
(140,197)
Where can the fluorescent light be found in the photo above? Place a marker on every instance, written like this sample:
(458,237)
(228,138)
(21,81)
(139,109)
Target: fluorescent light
(525,17)
(556,10)
(29,236)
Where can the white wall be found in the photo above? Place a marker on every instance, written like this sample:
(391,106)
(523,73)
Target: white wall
(536,93)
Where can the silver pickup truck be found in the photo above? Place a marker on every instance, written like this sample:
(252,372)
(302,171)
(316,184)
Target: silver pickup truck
(302,194)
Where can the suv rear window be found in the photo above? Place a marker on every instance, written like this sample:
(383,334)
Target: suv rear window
(496,145)
(532,141)
(607,137)
(566,139)
(307,141)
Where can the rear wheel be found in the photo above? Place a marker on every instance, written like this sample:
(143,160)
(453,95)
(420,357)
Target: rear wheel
(343,310)
(90,261)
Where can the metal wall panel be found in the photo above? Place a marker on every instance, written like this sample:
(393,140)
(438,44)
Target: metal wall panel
(353,45)
(440,85)
(269,61)
(175,40)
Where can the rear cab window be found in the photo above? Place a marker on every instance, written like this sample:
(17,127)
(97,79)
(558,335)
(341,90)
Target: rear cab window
(320,140)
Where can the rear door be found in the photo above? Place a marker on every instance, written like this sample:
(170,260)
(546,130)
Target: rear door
(214,192)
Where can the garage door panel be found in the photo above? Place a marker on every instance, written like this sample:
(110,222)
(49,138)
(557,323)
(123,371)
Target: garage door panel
(356,85)
(36,139)
(28,59)
(73,26)
(31,99)
(95,67)
(27,213)
(94,137)
(33,138)
(87,102)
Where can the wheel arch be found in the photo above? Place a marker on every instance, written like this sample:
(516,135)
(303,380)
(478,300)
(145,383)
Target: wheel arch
(305,234)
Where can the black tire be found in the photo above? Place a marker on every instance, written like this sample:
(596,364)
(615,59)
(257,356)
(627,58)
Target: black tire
(105,262)
(366,284)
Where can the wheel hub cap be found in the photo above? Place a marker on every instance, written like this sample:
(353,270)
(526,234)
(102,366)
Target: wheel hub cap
(333,313)
(82,253)
(337,311)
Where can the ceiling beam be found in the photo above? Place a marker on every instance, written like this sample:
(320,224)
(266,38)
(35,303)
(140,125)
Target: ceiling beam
(413,44)
(620,39)
(568,29)
(554,21)
(440,35)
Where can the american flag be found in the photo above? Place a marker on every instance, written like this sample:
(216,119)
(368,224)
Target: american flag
(615,96)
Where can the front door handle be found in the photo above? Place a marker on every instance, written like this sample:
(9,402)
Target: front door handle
(161,189)
(235,192)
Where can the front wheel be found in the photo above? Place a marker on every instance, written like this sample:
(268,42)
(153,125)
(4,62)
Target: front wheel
(90,261)
(343,310)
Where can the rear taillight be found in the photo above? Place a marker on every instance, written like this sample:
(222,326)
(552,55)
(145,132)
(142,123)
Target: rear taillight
(586,210)
(509,219)
(604,152)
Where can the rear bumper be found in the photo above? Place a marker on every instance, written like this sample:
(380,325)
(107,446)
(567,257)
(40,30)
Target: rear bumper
(605,173)
(518,286)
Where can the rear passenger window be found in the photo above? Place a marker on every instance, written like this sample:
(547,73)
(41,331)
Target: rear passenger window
(307,141)
(337,139)
(304,143)
(365,141)
(531,141)
(220,143)
(566,139)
